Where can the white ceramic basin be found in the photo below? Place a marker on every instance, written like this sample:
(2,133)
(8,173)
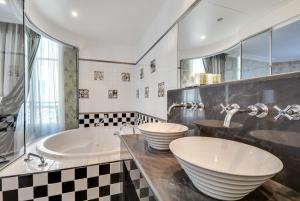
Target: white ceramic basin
(159,135)
(224,169)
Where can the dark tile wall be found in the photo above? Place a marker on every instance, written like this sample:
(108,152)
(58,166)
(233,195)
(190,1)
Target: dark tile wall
(282,137)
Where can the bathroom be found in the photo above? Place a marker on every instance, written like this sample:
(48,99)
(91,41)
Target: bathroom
(162,100)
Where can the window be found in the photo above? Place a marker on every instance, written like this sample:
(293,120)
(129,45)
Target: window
(45,100)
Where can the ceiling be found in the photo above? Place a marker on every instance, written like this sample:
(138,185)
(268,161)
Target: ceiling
(236,15)
(103,21)
(11,11)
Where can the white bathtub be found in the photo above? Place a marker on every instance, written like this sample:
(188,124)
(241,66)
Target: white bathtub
(80,143)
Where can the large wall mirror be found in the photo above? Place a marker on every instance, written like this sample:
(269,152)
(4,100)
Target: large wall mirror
(12,81)
(212,50)
(38,83)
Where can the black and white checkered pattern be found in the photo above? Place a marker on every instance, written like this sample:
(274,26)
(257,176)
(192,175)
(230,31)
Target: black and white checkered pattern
(115,119)
(141,186)
(144,118)
(102,182)
(106,119)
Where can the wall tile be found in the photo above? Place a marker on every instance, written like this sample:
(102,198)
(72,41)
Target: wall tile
(99,75)
(165,56)
(98,100)
(80,183)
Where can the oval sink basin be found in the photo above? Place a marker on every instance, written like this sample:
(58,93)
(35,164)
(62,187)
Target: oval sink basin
(159,135)
(224,169)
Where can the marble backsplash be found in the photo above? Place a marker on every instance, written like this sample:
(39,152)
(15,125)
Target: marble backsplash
(281,137)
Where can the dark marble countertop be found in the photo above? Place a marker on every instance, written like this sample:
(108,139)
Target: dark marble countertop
(169,182)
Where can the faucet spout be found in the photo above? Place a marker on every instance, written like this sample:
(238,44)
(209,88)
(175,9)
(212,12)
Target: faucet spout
(173,106)
(230,110)
(258,110)
(229,115)
(188,105)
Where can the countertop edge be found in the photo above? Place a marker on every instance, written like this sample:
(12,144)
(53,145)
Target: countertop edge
(142,171)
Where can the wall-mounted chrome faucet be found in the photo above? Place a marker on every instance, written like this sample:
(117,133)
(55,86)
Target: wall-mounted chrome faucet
(187,105)
(258,110)
(291,112)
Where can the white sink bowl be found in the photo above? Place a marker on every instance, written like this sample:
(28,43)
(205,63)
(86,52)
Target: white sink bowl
(224,169)
(159,135)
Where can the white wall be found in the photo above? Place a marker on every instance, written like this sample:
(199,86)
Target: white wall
(165,54)
(168,14)
(99,101)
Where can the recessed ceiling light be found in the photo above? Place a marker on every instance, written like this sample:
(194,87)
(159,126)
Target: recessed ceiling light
(74,14)
(3,2)
(202,37)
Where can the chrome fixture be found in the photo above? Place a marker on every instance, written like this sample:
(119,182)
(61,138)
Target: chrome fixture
(188,105)
(291,112)
(29,158)
(128,125)
(101,121)
(258,110)
(123,126)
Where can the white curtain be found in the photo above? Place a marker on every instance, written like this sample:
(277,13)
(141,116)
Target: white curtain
(45,100)
(11,87)
(11,41)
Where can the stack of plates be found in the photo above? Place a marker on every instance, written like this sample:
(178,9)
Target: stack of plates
(159,135)
(224,169)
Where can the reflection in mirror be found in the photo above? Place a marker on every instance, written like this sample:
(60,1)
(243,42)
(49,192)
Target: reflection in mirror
(206,36)
(222,67)
(233,64)
(256,56)
(12,81)
(51,101)
(286,48)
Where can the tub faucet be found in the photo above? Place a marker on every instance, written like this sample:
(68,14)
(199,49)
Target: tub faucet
(101,121)
(259,110)
(29,158)
(188,105)
(126,125)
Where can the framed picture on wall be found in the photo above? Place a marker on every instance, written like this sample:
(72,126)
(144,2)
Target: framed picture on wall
(125,77)
(146,92)
(112,94)
(98,75)
(161,89)
(153,66)
(141,73)
(84,93)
